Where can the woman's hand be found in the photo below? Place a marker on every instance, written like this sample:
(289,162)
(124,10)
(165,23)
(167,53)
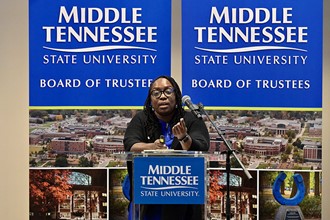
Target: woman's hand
(159,144)
(180,130)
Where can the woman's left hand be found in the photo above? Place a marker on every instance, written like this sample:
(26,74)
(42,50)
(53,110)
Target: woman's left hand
(180,130)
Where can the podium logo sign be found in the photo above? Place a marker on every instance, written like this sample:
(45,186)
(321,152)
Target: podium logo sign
(178,180)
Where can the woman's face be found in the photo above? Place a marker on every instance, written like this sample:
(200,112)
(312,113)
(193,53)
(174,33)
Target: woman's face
(163,98)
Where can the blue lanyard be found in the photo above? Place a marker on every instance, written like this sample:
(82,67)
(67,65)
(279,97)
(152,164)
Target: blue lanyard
(167,132)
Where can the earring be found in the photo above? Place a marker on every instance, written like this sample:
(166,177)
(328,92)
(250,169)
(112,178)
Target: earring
(176,106)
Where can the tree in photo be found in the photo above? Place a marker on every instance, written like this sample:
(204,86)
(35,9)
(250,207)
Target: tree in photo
(215,187)
(48,188)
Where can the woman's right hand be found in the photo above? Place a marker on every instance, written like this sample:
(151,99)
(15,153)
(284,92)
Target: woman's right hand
(159,144)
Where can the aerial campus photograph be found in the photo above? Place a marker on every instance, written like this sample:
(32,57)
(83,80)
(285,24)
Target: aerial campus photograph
(94,138)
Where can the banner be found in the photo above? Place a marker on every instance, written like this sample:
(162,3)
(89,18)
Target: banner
(253,53)
(96,53)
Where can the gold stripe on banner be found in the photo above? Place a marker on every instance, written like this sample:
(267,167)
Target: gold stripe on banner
(263,108)
(85,107)
(205,107)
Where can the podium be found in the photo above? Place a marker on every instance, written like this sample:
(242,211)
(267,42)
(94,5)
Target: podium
(168,177)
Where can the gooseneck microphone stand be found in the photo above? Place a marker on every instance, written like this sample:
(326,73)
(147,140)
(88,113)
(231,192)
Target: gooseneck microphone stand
(229,152)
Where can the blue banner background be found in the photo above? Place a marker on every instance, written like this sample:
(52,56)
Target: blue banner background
(304,14)
(44,13)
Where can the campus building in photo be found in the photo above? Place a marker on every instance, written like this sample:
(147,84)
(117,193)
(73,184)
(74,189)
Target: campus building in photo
(264,146)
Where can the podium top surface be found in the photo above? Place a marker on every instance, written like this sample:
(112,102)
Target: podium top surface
(166,153)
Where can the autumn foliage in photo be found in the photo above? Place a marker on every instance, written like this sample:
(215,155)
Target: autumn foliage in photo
(215,187)
(48,188)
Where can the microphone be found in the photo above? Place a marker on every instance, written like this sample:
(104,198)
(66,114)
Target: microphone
(193,108)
